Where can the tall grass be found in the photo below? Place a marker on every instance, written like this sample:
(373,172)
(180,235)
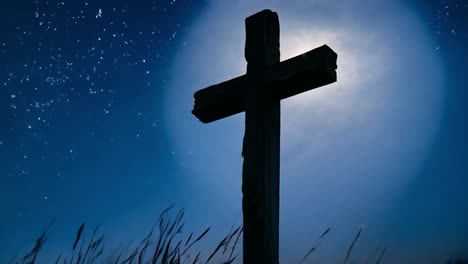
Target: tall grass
(162,245)
(350,249)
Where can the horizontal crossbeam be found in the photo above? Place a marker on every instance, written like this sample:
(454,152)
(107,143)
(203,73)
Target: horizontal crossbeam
(305,72)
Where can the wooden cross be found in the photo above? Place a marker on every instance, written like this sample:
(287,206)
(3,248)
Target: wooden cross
(258,93)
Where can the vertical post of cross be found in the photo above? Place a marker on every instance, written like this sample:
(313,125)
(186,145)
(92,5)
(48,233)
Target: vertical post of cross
(261,146)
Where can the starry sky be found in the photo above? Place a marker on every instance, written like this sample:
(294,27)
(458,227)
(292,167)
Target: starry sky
(95,124)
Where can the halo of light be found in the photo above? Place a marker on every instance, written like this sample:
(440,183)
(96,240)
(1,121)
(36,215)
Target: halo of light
(353,145)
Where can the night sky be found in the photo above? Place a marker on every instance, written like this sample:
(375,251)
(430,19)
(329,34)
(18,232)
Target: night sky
(95,124)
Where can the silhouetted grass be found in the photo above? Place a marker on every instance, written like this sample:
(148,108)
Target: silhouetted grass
(381,255)
(317,242)
(163,245)
(350,249)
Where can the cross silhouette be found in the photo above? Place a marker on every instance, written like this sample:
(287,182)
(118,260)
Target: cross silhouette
(259,93)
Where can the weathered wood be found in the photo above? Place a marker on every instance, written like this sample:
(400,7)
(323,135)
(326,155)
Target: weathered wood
(261,146)
(307,71)
(259,93)
(262,41)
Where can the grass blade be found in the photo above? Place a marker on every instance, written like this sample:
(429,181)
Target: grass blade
(381,255)
(317,242)
(350,249)
(78,235)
